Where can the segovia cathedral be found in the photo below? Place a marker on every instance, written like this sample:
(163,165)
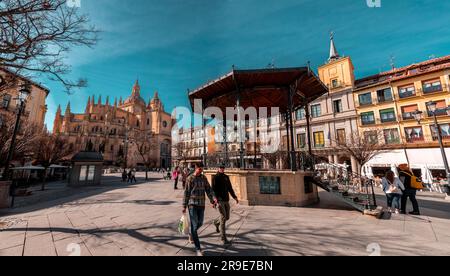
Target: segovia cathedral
(128,133)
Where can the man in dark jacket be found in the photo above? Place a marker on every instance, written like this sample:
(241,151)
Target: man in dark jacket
(222,188)
(405,176)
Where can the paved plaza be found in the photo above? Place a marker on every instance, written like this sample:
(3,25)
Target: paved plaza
(141,220)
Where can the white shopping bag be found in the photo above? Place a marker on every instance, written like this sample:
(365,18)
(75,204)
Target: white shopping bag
(183,226)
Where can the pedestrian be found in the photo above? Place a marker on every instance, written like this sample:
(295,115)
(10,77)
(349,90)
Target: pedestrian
(222,188)
(175,177)
(184,176)
(124,175)
(393,188)
(197,186)
(407,177)
(133,176)
(130,177)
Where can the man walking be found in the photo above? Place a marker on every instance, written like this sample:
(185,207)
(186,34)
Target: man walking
(197,186)
(410,192)
(222,188)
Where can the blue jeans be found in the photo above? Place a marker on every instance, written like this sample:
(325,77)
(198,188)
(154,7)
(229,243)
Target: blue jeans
(393,200)
(197,215)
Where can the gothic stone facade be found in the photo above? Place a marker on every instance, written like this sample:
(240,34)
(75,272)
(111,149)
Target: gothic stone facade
(120,131)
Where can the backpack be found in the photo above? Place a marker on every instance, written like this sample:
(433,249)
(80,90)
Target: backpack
(416,183)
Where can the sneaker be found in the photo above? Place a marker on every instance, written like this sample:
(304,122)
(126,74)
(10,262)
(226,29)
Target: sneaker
(199,253)
(414,213)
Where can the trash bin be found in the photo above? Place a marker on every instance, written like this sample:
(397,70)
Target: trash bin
(4,194)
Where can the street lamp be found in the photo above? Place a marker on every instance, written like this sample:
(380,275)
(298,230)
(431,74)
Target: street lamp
(24,92)
(432,109)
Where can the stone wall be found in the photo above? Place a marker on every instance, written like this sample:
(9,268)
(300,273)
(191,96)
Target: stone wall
(292,186)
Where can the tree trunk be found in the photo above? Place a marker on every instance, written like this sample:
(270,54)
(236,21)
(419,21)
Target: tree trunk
(45,179)
(146,172)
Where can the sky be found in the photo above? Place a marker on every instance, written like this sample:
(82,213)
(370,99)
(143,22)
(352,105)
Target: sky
(175,45)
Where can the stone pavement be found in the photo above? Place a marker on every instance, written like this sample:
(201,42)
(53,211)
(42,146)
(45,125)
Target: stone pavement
(141,220)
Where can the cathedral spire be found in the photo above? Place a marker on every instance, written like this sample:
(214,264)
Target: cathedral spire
(100,100)
(120,101)
(107,100)
(334,55)
(93,100)
(88,105)
(136,90)
(115,101)
(67,113)
(58,111)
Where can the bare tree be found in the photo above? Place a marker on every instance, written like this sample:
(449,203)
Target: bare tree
(49,150)
(27,136)
(36,35)
(181,151)
(145,145)
(363,147)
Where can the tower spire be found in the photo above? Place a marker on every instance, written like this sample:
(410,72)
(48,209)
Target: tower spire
(334,55)
(107,100)
(100,100)
(67,113)
(136,90)
(93,100)
(88,105)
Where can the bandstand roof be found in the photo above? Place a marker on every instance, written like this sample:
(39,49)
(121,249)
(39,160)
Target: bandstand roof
(261,88)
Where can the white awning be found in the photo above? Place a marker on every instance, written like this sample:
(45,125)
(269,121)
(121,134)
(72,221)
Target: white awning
(388,159)
(429,157)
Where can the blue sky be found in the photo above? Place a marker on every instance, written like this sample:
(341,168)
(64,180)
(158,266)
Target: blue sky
(173,45)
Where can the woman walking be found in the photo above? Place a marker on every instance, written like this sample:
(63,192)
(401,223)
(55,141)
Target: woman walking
(393,188)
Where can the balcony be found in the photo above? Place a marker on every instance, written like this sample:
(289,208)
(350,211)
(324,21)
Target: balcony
(408,116)
(368,123)
(419,139)
(407,94)
(444,137)
(439,112)
(388,120)
(434,89)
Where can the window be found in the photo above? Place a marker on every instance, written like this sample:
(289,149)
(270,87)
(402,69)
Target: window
(414,134)
(301,140)
(391,136)
(406,91)
(83,173)
(334,83)
(432,86)
(441,109)
(1,122)
(148,122)
(368,118)
(384,95)
(316,111)
(6,101)
(445,132)
(365,99)
(371,137)
(112,147)
(387,115)
(319,139)
(407,112)
(300,114)
(341,137)
(337,106)
(270,185)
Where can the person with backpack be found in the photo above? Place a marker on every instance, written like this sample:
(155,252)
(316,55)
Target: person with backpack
(393,188)
(412,184)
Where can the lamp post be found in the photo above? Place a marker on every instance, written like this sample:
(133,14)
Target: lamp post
(432,109)
(24,92)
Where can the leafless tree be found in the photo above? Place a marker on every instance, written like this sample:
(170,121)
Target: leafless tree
(24,145)
(50,149)
(181,151)
(36,35)
(363,147)
(146,144)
